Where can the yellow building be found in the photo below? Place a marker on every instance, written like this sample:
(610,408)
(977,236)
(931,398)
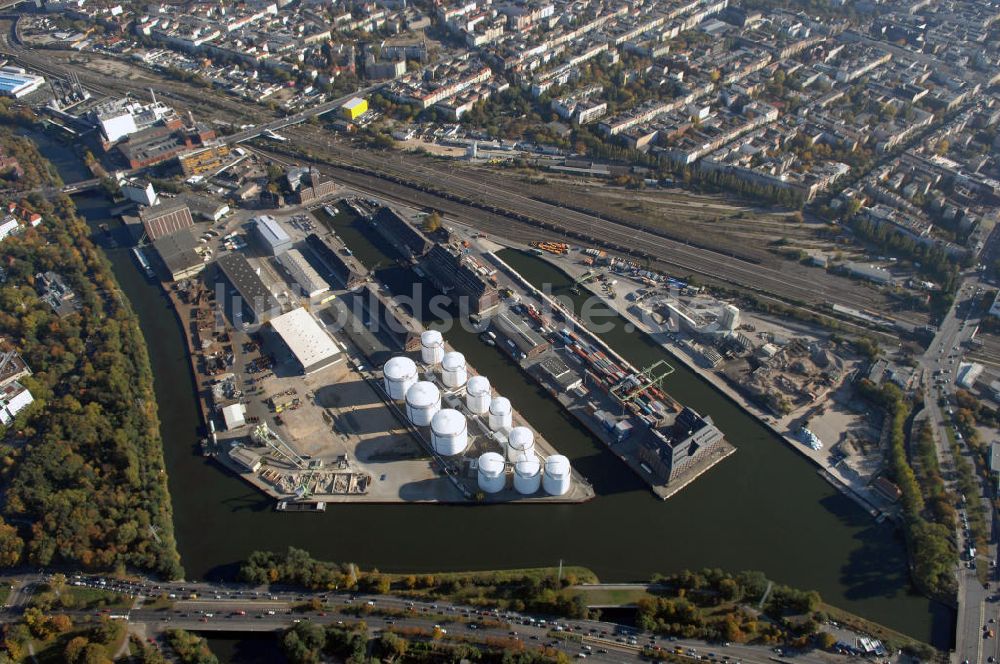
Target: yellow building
(354,108)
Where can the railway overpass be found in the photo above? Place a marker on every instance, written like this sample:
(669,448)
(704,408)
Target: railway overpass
(298,118)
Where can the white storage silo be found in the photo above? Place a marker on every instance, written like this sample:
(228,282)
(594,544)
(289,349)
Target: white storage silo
(556,478)
(423,401)
(431,347)
(527,476)
(520,442)
(449,432)
(477,395)
(500,414)
(453,371)
(400,374)
(492,477)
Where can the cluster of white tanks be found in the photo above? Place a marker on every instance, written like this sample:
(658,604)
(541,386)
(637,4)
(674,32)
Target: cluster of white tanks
(449,428)
(555,476)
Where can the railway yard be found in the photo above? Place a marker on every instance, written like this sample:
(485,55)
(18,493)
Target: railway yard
(500,207)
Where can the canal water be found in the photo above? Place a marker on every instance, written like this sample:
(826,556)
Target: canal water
(763,508)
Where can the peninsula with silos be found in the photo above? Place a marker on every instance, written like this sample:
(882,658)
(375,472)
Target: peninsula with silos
(345,396)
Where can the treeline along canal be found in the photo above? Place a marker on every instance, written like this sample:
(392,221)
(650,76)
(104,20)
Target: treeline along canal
(763,508)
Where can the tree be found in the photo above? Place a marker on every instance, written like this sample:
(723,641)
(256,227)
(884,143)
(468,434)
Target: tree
(61,623)
(391,647)
(95,654)
(74,649)
(11,545)
(825,640)
(432,223)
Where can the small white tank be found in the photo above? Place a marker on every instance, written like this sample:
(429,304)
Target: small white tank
(423,401)
(527,476)
(520,443)
(453,371)
(556,478)
(431,347)
(400,374)
(449,432)
(477,395)
(492,478)
(501,414)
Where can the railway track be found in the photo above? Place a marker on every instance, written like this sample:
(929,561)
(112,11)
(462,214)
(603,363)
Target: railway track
(431,187)
(629,242)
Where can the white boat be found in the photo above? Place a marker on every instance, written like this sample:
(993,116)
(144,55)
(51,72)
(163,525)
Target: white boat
(143,262)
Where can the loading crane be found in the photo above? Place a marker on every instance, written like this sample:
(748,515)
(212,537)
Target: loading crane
(263,435)
(641,390)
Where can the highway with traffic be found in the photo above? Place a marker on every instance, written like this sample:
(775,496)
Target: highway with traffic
(211,607)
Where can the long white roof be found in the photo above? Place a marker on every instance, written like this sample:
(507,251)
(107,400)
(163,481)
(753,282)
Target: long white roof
(308,341)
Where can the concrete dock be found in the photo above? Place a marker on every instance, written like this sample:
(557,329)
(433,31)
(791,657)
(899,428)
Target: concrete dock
(334,435)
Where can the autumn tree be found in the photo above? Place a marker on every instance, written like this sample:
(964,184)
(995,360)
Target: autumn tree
(11,545)
(432,223)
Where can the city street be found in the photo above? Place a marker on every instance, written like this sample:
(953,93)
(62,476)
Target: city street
(978,608)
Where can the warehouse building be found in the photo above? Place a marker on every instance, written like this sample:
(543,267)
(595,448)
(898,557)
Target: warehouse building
(341,268)
(234,416)
(139,191)
(667,451)
(404,237)
(205,207)
(271,236)
(516,336)
(310,344)
(450,273)
(308,184)
(354,108)
(559,374)
(166,218)
(178,254)
(210,159)
(303,273)
(254,295)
